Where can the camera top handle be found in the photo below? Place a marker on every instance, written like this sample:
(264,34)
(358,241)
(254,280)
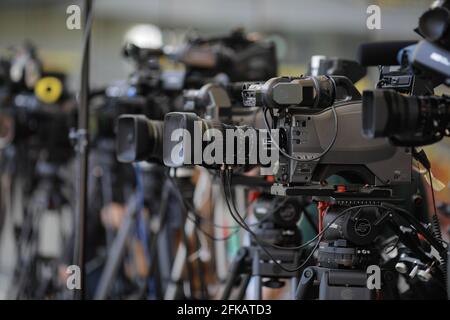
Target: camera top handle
(312,92)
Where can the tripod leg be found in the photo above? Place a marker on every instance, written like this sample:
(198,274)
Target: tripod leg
(447,268)
(256,275)
(181,259)
(305,284)
(258,287)
(201,271)
(235,270)
(156,278)
(243,289)
(117,251)
(294,284)
(448,272)
(154,260)
(189,268)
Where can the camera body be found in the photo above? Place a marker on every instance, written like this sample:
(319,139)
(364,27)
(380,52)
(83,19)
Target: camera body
(303,112)
(422,118)
(301,160)
(352,157)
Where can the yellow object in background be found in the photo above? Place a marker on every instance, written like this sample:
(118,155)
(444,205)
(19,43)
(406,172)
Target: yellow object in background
(48,89)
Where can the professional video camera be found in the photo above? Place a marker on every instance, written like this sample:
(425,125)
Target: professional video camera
(139,129)
(218,102)
(142,139)
(301,107)
(377,175)
(237,55)
(149,90)
(422,118)
(35,106)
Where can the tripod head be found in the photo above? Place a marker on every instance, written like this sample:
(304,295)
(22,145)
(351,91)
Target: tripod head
(349,242)
(278,218)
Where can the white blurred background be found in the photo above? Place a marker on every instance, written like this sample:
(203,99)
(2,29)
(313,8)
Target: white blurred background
(302,28)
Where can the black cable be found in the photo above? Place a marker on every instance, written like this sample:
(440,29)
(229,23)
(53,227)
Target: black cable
(435,219)
(197,218)
(260,243)
(436,227)
(423,160)
(213,238)
(393,246)
(202,219)
(318,237)
(432,191)
(416,224)
(246,227)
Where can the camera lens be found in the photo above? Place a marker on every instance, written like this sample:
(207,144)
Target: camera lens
(375,114)
(387,113)
(178,152)
(138,138)
(406,121)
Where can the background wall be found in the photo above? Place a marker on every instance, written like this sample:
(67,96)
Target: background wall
(301,27)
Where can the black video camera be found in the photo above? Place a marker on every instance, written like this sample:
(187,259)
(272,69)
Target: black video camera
(421,118)
(141,138)
(307,113)
(36,110)
(236,55)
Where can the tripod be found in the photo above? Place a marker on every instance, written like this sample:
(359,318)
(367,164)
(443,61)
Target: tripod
(162,265)
(36,264)
(334,283)
(182,260)
(269,255)
(118,245)
(337,283)
(253,262)
(277,227)
(344,256)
